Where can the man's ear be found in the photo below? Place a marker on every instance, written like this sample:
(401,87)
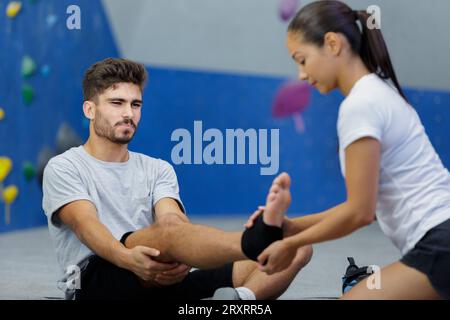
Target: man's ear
(333,43)
(89,109)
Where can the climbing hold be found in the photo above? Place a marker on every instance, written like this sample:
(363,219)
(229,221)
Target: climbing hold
(66,138)
(9,195)
(45,70)
(292,99)
(28,67)
(13,8)
(50,20)
(27,94)
(2,114)
(44,156)
(28,171)
(287,9)
(5,168)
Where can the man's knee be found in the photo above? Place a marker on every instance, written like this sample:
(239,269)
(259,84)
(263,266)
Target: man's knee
(170,220)
(170,223)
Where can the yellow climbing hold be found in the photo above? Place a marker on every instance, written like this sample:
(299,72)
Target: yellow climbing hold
(2,114)
(5,167)
(9,195)
(13,8)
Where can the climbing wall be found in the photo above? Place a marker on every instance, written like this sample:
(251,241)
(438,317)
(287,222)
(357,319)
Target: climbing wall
(41,66)
(226,101)
(41,69)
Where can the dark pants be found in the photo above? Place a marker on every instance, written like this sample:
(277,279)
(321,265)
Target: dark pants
(104,280)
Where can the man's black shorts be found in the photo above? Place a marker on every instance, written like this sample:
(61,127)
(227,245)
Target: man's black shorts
(104,280)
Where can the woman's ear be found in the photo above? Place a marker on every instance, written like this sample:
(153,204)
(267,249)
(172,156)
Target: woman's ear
(333,43)
(88,109)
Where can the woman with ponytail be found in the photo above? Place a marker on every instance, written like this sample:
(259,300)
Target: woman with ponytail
(391,170)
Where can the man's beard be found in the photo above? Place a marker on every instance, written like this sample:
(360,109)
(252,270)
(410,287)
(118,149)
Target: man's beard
(104,130)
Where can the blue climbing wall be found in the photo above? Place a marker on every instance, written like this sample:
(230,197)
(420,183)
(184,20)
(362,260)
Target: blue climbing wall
(174,99)
(228,102)
(39,31)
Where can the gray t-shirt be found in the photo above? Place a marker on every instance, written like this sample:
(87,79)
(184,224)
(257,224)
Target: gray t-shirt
(124,194)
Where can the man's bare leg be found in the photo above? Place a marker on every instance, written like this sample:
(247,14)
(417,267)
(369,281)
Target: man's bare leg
(265,287)
(202,246)
(278,200)
(246,273)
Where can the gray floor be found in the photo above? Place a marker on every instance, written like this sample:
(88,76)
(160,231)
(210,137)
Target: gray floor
(28,268)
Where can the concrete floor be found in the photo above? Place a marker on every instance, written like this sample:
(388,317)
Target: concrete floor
(28,267)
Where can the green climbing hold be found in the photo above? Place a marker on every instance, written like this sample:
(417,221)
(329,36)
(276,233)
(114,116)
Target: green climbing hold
(28,67)
(27,94)
(28,171)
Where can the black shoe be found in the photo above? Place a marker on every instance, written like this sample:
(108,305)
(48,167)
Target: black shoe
(354,274)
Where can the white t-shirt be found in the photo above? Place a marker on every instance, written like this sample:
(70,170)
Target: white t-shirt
(124,194)
(414,186)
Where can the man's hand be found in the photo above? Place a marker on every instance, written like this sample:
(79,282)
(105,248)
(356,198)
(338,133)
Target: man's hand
(173,276)
(81,217)
(142,263)
(154,273)
(277,257)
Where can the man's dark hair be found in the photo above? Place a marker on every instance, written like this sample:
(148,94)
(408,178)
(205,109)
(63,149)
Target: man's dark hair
(104,74)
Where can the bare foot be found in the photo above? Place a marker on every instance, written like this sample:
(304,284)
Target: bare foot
(278,200)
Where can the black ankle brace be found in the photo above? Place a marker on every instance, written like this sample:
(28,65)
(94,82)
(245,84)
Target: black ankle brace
(259,237)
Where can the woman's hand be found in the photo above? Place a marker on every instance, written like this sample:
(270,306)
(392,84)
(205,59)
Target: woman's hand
(277,257)
(251,221)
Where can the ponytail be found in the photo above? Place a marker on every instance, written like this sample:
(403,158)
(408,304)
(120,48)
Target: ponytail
(373,51)
(314,20)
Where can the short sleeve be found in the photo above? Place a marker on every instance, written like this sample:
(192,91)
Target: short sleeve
(61,185)
(358,119)
(166,185)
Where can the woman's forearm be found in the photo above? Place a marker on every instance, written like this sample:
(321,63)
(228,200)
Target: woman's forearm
(332,224)
(296,225)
